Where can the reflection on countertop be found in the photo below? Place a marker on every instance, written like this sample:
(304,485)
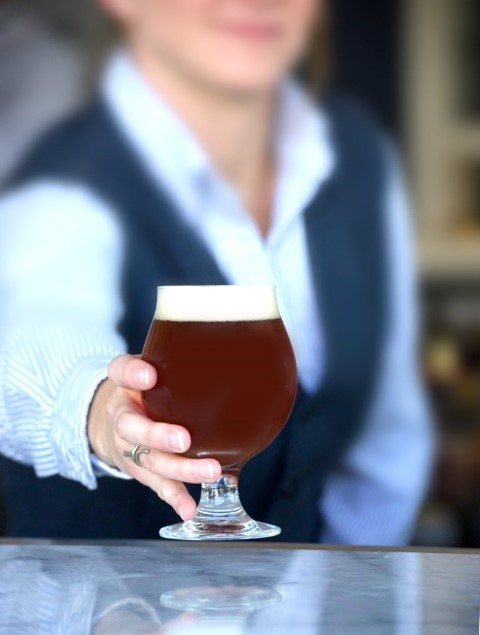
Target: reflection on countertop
(180,589)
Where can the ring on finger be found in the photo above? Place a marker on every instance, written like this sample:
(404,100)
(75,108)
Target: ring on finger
(135,452)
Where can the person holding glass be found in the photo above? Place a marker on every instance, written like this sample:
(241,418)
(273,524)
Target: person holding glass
(203,162)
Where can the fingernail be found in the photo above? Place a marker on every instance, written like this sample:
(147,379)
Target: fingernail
(143,376)
(176,441)
(206,471)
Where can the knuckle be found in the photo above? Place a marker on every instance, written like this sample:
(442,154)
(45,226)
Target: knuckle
(170,493)
(120,369)
(153,463)
(122,423)
(164,491)
(147,461)
(190,472)
(152,436)
(128,373)
(111,407)
(112,367)
(165,466)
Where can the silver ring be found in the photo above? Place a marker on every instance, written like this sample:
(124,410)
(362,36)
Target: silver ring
(134,453)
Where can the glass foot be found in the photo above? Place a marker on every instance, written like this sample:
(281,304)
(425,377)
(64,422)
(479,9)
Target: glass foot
(220,516)
(220,530)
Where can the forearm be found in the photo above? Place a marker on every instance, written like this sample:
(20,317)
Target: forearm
(60,272)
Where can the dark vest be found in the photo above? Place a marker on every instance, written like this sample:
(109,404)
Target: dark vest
(346,242)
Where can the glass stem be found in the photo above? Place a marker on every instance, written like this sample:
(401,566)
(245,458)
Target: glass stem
(220,500)
(220,516)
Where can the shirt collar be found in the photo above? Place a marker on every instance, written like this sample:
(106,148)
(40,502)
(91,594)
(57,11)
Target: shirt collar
(303,142)
(304,152)
(172,154)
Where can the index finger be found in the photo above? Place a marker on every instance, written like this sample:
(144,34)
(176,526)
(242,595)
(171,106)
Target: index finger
(128,371)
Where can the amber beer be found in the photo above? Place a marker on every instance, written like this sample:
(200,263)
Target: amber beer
(226,370)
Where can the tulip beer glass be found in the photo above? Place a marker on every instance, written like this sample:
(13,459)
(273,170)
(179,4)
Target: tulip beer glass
(227,373)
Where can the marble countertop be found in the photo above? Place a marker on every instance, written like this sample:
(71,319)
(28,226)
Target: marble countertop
(178,588)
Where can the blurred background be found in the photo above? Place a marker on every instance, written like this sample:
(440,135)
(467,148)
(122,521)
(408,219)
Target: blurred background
(415,65)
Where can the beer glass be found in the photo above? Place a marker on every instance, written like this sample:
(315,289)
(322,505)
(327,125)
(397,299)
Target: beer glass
(226,372)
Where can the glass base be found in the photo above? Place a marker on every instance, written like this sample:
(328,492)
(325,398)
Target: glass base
(219,531)
(220,516)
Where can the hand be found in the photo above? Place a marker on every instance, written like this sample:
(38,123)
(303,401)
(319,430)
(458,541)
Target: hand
(117,420)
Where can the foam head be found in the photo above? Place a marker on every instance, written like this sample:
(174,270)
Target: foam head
(222,303)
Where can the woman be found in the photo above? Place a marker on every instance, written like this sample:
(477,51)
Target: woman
(201,163)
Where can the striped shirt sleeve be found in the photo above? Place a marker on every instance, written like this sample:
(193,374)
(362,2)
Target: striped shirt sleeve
(60,259)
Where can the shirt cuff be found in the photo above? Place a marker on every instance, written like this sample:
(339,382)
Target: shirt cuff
(100,468)
(69,420)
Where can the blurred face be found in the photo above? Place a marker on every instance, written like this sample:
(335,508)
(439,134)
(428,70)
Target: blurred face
(235,45)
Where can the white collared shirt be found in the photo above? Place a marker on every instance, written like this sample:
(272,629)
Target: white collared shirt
(60,275)
(175,159)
